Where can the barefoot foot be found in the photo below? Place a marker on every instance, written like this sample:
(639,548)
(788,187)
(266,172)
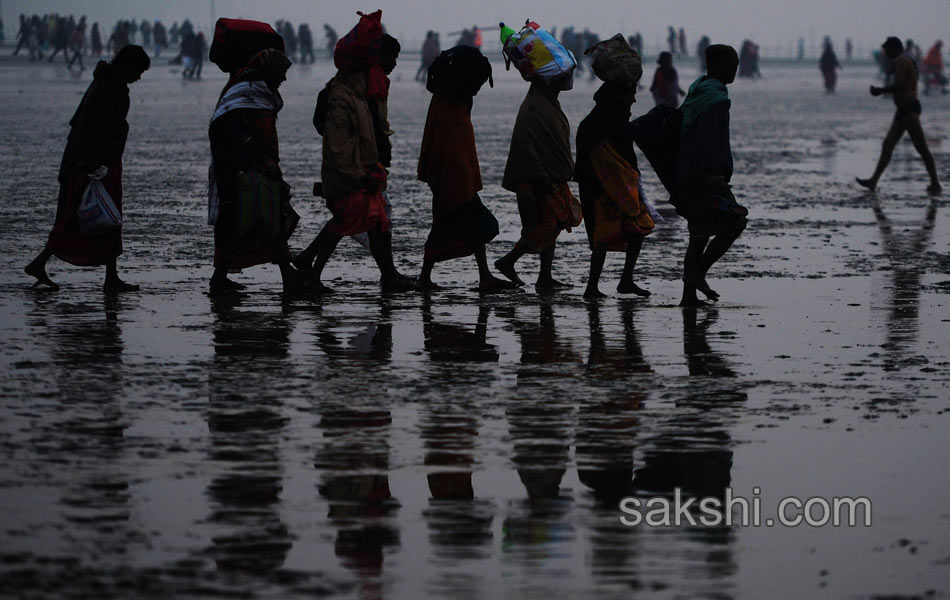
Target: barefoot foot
(508,270)
(867,183)
(629,287)
(495,284)
(39,272)
(700,284)
(117,286)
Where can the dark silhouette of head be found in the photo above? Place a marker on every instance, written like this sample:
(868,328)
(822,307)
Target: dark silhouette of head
(722,62)
(388,53)
(893,47)
(131,61)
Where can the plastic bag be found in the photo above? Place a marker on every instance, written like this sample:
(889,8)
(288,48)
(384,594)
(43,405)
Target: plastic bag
(536,54)
(97,212)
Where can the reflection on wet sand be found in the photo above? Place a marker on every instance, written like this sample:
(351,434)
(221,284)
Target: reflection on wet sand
(459,522)
(86,354)
(245,423)
(904,249)
(353,462)
(691,448)
(540,423)
(606,437)
(607,427)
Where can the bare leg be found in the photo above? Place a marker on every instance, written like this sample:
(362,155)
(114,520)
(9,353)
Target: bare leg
(487,281)
(694,253)
(114,285)
(37,269)
(425,277)
(294,280)
(304,260)
(626,285)
(597,258)
(328,242)
(382,253)
(916,132)
(546,280)
(887,150)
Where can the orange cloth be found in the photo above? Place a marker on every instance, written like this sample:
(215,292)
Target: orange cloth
(448,161)
(618,209)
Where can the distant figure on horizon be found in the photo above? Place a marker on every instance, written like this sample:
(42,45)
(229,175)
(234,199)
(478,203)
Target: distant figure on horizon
(704,42)
(671,39)
(682,43)
(666,82)
(848,49)
(907,117)
(829,66)
(94,148)
(305,39)
(76,41)
(702,194)
(95,41)
(430,50)
(330,34)
(801,48)
(933,69)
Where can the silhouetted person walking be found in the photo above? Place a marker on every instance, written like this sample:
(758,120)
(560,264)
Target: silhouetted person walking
(94,150)
(701,193)
(907,117)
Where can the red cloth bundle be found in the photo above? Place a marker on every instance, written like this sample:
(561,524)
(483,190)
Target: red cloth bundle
(237,40)
(360,48)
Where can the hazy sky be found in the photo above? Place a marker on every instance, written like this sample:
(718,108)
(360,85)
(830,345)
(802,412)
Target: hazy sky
(770,23)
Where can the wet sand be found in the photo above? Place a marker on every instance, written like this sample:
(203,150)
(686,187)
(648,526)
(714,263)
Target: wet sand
(460,445)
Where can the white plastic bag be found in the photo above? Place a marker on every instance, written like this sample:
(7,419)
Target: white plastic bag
(97,212)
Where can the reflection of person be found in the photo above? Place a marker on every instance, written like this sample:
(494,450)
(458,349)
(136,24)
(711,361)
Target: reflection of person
(245,424)
(539,166)
(701,192)
(243,135)
(907,117)
(904,248)
(94,149)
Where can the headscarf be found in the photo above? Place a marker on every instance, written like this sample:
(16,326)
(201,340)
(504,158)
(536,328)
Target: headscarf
(268,65)
(703,94)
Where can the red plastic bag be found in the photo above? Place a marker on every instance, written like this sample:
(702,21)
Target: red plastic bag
(360,48)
